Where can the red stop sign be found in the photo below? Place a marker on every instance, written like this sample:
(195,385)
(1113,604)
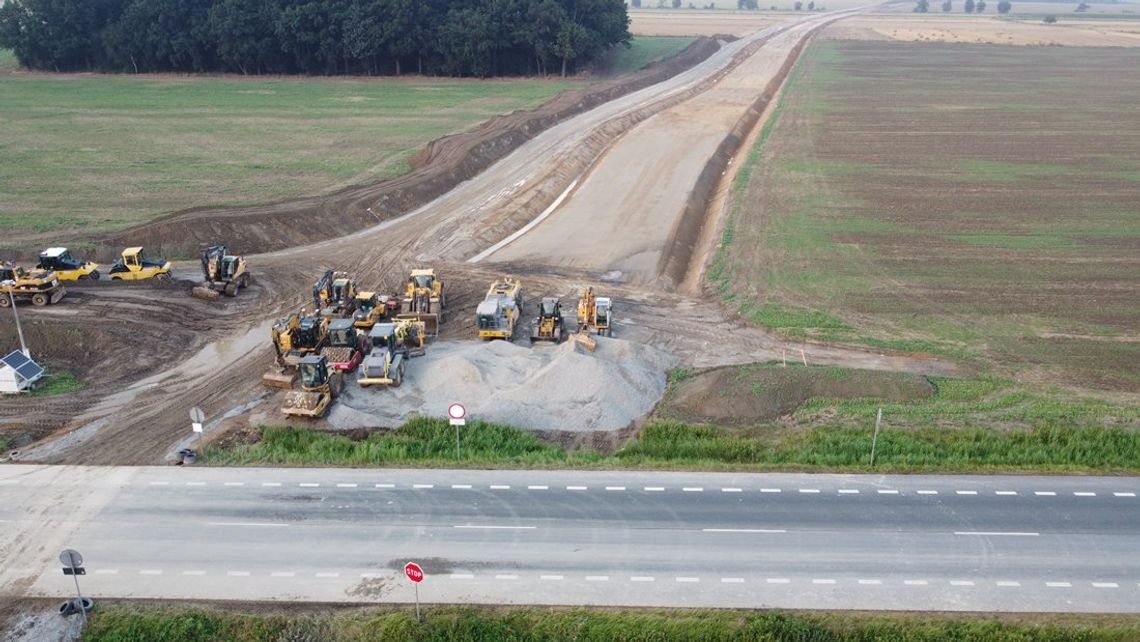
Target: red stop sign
(414,572)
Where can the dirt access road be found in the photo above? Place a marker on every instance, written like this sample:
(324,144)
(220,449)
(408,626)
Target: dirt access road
(137,416)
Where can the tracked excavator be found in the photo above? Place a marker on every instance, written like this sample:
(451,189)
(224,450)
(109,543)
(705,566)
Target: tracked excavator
(424,300)
(594,316)
(498,314)
(319,387)
(294,337)
(223,273)
(548,325)
(334,295)
(41,287)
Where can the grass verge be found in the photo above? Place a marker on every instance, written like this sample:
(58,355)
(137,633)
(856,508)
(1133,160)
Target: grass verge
(120,623)
(642,51)
(55,383)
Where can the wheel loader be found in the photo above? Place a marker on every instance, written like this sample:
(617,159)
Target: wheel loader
(387,359)
(41,287)
(424,300)
(498,313)
(224,273)
(67,267)
(548,325)
(134,265)
(294,337)
(319,387)
(373,308)
(334,295)
(343,351)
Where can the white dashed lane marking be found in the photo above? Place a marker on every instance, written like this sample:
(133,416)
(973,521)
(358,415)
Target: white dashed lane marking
(996,534)
(687,579)
(385,485)
(237,573)
(328,575)
(615,487)
(769,490)
(1005,492)
(195,483)
(551,578)
(346,485)
(1105,585)
(961,583)
(1084,494)
(888,492)
(1009,583)
(270,484)
(500,487)
(654,489)
(743,530)
(1124,494)
(693,489)
(282,574)
(423,486)
(732,580)
(642,578)
(848,491)
(966,492)
(577,488)
(153,483)
(309,485)
(778,580)
(461,486)
(462,576)
(506,577)
(927,492)
(234,484)
(538,487)
(732,490)
(597,578)
(147,571)
(823,581)
(193,573)
(1044,493)
(107,571)
(1058,584)
(870,582)
(810,491)
(916,582)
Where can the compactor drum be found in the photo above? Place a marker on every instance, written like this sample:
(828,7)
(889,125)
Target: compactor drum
(319,387)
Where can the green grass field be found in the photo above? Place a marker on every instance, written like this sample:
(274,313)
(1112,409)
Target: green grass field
(124,622)
(642,51)
(987,213)
(87,153)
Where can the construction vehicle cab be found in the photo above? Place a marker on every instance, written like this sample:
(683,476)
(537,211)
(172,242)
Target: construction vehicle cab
(319,386)
(387,357)
(334,294)
(41,287)
(67,267)
(498,313)
(344,345)
(223,272)
(134,265)
(603,310)
(372,308)
(548,325)
(424,300)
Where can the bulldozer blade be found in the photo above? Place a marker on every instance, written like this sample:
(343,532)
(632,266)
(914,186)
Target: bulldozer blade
(278,379)
(205,293)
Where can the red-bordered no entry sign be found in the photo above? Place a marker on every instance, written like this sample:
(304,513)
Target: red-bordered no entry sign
(456,411)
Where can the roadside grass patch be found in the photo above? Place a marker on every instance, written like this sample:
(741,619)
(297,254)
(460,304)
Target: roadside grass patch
(55,382)
(123,622)
(642,51)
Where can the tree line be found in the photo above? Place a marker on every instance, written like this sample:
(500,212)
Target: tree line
(440,37)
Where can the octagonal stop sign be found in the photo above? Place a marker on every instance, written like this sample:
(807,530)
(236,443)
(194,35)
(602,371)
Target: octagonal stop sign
(414,572)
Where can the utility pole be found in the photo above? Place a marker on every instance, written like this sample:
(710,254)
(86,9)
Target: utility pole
(19,330)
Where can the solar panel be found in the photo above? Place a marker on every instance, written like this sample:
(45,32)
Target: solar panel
(30,370)
(15,359)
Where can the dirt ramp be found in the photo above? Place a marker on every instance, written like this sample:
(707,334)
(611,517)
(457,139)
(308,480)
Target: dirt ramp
(542,388)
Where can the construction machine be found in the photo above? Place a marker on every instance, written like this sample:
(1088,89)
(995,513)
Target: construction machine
(41,287)
(294,337)
(223,272)
(344,349)
(387,358)
(67,267)
(372,308)
(548,325)
(135,265)
(498,314)
(334,294)
(594,313)
(424,300)
(319,386)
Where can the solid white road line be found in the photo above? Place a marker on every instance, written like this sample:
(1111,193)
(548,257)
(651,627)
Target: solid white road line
(500,528)
(642,578)
(823,581)
(244,524)
(743,530)
(237,573)
(996,534)
(462,576)
(926,492)
(461,486)
(615,487)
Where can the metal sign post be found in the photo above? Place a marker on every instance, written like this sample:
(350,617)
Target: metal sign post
(73,565)
(456,413)
(875,439)
(415,575)
(197,418)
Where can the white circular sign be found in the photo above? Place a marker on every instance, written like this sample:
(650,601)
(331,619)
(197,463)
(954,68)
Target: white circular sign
(456,411)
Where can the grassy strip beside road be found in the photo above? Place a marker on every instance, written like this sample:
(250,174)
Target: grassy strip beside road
(642,51)
(120,623)
(966,425)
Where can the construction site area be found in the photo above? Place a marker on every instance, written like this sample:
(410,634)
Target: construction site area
(547,270)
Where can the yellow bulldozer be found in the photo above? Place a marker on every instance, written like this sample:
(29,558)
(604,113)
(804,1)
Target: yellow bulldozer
(294,337)
(135,265)
(320,385)
(41,287)
(224,273)
(424,300)
(67,267)
(334,295)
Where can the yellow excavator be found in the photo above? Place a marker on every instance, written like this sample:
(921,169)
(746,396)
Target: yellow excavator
(41,287)
(294,337)
(319,387)
(334,295)
(223,272)
(424,300)
(135,265)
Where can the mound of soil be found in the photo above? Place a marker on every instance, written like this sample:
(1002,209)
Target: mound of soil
(750,394)
(543,388)
(437,168)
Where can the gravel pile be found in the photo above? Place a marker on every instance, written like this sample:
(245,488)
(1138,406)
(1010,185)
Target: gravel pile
(546,387)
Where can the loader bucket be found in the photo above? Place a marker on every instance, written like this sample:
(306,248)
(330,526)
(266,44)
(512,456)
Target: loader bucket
(430,321)
(205,293)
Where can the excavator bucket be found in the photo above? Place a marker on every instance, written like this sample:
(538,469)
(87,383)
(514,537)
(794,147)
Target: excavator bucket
(585,340)
(205,293)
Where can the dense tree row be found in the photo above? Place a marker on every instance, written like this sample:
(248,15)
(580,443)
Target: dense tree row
(449,37)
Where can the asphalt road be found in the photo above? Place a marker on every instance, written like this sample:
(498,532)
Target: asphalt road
(591,538)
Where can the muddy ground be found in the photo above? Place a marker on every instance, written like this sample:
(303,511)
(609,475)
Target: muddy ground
(157,352)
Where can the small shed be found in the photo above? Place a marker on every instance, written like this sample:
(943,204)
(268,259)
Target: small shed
(18,372)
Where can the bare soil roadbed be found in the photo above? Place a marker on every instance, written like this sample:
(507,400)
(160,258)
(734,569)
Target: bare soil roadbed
(135,410)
